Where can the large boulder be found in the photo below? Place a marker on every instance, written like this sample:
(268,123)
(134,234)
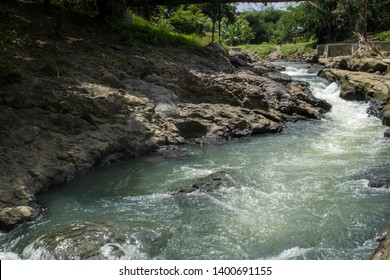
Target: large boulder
(380,182)
(209,183)
(11,216)
(81,241)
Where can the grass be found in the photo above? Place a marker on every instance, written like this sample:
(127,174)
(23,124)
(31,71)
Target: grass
(265,49)
(259,50)
(147,32)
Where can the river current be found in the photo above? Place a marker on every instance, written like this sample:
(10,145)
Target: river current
(299,194)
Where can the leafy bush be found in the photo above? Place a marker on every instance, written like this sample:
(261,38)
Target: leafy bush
(236,33)
(383,36)
(188,20)
(54,66)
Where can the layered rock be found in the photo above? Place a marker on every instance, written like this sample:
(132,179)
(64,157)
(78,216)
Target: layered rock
(368,64)
(363,86)
(107,101)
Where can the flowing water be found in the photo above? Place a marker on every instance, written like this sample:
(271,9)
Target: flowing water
(300,194)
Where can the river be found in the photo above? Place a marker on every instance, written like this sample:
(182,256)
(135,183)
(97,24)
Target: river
(299,194)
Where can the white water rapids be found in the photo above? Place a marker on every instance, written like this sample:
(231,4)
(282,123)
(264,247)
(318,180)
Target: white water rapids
(300,194)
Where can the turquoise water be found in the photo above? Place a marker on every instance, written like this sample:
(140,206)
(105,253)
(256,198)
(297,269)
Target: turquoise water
(300,194)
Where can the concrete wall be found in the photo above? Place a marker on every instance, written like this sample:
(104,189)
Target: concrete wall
(384,46)
(343,49)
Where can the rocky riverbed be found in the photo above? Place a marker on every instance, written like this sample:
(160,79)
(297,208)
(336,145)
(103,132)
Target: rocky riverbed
(87,99)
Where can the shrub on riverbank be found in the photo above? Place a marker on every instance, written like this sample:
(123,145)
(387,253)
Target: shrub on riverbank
(383,36)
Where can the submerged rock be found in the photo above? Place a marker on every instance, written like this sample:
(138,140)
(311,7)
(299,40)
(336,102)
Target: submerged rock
(173,152)
(88,241)
(209,183)
(380,182)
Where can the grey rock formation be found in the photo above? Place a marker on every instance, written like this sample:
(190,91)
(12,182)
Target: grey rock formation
(380,182)
(209,183)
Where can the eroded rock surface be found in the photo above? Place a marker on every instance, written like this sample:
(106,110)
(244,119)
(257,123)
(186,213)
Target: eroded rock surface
(209,183)
(88,99)
(383,251)
(85,241)
(362,86)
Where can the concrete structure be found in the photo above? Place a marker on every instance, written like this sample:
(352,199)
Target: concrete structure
(384,46)
(343,49)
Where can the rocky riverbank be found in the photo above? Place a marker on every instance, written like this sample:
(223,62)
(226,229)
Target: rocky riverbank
(365,79)
(362,80)
(87,99)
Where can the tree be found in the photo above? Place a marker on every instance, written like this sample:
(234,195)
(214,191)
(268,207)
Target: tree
(216,12)
(188,19)
(236,33)
(325,20)
(379,15)
(263,23)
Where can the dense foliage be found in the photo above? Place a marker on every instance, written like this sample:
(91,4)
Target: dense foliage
(316,20)
(238,32)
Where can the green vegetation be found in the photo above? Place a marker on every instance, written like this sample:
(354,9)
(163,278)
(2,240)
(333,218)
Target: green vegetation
(188,19)
(54,66)
(148,32)
(265,49)
(383,36)
(259,50)
(236,33)
(196,25)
